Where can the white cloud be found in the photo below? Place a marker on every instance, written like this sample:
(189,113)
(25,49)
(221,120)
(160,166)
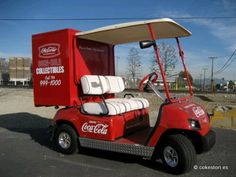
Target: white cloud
(223,30)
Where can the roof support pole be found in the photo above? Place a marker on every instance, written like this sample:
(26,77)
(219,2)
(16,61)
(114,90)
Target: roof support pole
(181,54)
(153,37)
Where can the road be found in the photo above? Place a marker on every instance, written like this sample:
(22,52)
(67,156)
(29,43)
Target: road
(25,151)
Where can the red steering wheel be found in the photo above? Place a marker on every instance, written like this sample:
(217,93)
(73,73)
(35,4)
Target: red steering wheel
(143,84)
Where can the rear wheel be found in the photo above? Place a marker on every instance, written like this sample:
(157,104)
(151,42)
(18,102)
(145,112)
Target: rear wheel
(66,139)
(178,154)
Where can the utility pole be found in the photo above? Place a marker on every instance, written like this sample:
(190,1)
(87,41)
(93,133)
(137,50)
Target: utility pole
(204,77)
(200,81)
(212,71)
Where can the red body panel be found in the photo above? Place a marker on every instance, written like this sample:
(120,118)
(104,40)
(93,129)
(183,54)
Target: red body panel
(176,115)
(60,59)
(173,116)
(104,127)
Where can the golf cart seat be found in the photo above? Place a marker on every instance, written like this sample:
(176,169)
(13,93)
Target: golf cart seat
(100,85)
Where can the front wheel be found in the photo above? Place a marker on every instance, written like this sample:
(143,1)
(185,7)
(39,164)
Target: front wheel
(66,139)
(178,154)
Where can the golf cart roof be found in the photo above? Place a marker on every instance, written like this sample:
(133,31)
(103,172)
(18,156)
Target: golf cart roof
(135,31)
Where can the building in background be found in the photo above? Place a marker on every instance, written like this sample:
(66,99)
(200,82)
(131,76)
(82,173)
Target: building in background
(4,77)
(19,70)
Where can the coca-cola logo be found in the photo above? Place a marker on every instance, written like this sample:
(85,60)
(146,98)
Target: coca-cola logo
(198,111)
(95,128)
(49,50)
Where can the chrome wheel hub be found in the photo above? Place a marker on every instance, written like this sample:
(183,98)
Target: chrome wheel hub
(170,156)
(64,140)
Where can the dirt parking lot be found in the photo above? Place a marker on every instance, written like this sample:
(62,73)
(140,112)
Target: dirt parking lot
(20,100)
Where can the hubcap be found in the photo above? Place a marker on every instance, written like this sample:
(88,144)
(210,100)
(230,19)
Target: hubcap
(170,156)
(64,140)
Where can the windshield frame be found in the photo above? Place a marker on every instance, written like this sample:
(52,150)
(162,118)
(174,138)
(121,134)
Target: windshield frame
(159,61)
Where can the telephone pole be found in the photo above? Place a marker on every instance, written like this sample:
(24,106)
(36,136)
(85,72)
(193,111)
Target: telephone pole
(212,72)
(200,81)
(204,77)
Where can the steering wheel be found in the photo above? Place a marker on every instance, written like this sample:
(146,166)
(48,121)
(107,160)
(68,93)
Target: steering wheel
(143,84)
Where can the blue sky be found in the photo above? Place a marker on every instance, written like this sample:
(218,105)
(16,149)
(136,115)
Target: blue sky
(210,37)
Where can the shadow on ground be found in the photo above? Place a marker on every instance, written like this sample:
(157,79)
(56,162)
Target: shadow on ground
(31,124)
(124,158)
(37,128)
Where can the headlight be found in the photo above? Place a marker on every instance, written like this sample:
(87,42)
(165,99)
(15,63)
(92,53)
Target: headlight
(194,124)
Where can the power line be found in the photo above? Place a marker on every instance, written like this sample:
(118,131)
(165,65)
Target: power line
(227,63)
(117,18)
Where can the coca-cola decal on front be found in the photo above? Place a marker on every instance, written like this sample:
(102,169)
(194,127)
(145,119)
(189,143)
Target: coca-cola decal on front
(49,50)
(198,111)
(96,128)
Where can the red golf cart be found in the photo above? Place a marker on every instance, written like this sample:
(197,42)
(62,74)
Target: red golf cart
(76,70)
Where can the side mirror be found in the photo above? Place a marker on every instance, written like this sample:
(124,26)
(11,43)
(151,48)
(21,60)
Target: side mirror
(146,44)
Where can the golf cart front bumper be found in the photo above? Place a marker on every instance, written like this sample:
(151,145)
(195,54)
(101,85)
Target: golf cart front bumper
(208,141)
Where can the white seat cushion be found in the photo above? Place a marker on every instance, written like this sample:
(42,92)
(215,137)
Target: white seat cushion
(143,101)
(130,104)
(98,108)
(94,85)
(115,83)
(99,85)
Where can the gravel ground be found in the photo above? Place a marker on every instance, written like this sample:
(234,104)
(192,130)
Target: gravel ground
(18,100)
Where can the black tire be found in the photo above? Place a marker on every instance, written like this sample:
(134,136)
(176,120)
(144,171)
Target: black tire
(186,154)
(68,131)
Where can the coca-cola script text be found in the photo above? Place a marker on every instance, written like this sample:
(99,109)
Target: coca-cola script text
(95,128)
